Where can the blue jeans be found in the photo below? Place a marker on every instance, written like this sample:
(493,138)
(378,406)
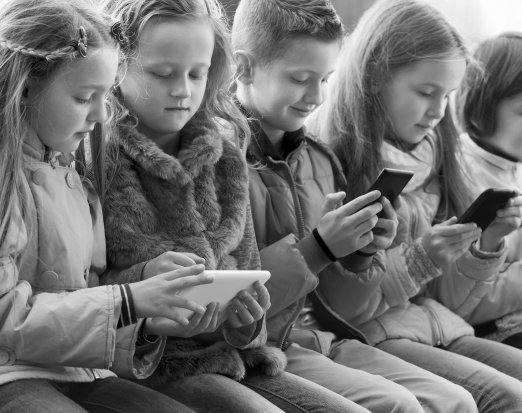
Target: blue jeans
(490,371)
(109,395)
(257,393)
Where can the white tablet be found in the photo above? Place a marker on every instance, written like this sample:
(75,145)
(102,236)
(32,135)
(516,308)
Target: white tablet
(226,285)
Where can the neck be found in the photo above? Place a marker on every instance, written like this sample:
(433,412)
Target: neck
(167,142)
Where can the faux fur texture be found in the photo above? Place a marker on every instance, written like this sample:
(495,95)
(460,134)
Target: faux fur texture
(189,358)
(199,203)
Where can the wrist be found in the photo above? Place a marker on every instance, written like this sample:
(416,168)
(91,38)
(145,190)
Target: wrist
(324,247)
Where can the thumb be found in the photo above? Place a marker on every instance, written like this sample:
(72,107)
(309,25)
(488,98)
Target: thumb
(332,201)
(449,221)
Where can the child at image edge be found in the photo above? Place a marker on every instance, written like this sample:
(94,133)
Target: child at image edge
(59,338)
(286,51)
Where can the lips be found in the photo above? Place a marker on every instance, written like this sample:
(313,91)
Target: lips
(178,108)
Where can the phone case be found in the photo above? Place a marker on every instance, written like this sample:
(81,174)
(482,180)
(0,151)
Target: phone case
(391,182)
(484,209)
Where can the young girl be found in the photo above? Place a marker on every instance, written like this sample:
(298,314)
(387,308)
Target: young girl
(178,182)
(388,107)
(58,338)
(490,106)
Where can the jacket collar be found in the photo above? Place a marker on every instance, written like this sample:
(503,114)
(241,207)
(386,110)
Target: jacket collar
(35,149)
(201,146)
(493,157)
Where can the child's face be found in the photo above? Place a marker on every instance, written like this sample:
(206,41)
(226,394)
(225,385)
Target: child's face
(63,110)
(508,133)
(415,98)
(286,92)
(166,82)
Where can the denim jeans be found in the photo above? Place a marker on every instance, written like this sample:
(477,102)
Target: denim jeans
(490,371)
(378,381)
(257,393)
(109,395)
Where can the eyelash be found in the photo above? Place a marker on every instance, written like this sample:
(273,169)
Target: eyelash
(82,101)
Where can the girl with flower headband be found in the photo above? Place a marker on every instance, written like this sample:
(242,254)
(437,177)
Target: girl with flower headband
(59,340)
(178,181)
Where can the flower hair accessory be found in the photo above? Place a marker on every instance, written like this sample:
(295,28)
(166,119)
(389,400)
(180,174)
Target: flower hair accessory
(118,32)
(81,44)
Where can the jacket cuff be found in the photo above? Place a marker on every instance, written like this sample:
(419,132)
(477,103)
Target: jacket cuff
(313,254)
(481,265)
(135,362)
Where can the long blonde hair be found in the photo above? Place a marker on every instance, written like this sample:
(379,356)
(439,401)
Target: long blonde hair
(35,40)
(218,107)
(391,35)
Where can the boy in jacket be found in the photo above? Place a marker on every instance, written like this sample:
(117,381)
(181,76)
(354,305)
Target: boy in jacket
(285,51)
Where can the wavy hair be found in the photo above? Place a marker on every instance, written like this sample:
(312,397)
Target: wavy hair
(35,41)
(390,36)
(218,107)
(495,75)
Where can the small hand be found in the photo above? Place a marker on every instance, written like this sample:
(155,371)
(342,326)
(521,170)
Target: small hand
(169,261)
(508,220)
(385,230)
(247,308)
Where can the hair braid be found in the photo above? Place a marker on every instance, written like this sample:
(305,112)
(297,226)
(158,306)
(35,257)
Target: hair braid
(67,51)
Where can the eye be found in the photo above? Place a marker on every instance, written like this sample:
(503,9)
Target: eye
(299,81)
(425,93)
(160,75)
(83,101)
(198,75)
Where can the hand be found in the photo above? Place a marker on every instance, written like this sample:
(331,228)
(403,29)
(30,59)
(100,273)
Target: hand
(199,323)
(446,242)
(169,261)
(246,308)
(158,296)
(508,219)
(349,227)
(332,201)
(385,230)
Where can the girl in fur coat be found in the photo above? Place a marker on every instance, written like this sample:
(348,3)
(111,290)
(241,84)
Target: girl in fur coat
(177,181)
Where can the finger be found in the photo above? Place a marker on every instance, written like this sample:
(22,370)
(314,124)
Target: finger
(195,258)
(188,275)
(332,201)
(449,221)
(233,317)
(182,302)
(366,226)
(454,229)
(253,307)
(359,202)
(514,211)
(263,296)
(242,313)
(215,320)
(387,209)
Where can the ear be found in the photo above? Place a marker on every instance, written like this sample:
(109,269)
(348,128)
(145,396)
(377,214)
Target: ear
(245,67)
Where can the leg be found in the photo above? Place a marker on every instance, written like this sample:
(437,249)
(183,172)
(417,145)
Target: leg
(216,393)
(116,395)
(435,394)
(492,390)
(504,358)
(368,390)
(514,341)
(294,394)
(28,396)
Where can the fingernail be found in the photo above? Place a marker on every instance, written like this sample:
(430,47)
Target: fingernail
(184,322)
(201,309)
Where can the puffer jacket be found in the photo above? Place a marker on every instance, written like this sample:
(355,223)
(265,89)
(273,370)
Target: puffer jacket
(54,327)
(394,299)
(196,202)
(494,296)
(286,196)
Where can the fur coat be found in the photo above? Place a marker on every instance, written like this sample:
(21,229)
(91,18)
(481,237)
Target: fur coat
(198,203)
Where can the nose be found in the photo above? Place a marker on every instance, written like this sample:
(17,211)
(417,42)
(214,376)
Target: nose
(180,87)
(314,94)
(437,108)
(98,112)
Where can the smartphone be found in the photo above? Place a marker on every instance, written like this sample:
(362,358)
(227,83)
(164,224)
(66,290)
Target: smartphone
(391,182)
(484,209)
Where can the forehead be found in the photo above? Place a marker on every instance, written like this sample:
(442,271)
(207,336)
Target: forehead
(442,73)
(308,54)
(176,40)
(97,70)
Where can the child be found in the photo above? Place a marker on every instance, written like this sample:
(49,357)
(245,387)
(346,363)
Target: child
(58,338)
(178,182)
(286,51)
(490,105)
(389,108)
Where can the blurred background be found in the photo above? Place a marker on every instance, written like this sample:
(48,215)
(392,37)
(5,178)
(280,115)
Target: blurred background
(475,19)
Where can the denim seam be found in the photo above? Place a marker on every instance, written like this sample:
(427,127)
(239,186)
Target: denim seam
(470,387)
(262,389)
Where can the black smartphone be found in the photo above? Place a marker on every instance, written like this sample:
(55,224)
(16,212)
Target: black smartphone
(484,209)
(391,182)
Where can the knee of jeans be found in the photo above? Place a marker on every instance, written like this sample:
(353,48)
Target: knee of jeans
(404,401)
(451,399)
